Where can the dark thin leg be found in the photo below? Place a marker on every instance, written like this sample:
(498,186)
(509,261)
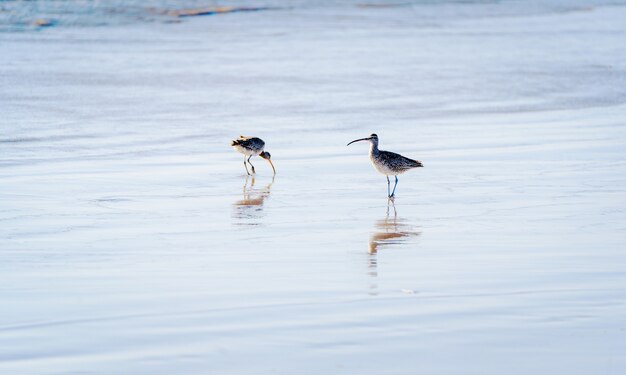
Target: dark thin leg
(388,188)
(245,165)
(394,187)
(251,164)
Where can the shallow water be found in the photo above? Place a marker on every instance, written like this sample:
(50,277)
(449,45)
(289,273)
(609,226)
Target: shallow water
(133,242)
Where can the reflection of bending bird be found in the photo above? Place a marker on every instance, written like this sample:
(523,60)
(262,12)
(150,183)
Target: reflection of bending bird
(252,203)
(254,197)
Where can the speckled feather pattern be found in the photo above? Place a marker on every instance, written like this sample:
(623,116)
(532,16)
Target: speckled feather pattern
(393,163)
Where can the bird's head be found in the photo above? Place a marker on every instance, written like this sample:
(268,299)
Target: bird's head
(267,156)
(372,138)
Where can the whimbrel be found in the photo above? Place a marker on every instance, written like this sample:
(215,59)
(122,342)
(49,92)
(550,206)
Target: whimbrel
(250,146)
(388,163)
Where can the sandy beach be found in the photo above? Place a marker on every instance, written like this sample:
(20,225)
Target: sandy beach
(133,242)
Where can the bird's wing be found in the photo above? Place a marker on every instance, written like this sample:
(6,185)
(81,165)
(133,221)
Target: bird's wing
(400,161)
(249,142)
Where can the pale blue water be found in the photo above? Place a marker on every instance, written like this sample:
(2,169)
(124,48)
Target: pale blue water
(131,241)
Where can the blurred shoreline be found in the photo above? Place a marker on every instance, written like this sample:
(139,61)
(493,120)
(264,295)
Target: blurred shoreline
(16,15)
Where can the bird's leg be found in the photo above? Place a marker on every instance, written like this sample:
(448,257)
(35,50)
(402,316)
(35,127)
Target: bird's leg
(388,190)
(394,188)
(245,165)
(251,165)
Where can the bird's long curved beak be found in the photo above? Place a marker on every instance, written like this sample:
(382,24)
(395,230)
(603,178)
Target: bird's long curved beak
(357,140)
(272,164)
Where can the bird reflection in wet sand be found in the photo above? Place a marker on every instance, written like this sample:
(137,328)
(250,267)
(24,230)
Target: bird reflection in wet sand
(388,232)
(251,206)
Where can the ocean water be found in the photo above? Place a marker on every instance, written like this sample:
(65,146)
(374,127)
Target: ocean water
(132,241)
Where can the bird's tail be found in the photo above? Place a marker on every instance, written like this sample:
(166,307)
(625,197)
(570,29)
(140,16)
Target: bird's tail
(418,163)
(239,141)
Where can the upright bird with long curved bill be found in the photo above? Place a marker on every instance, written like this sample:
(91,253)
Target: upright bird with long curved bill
(388,163)
(249,147)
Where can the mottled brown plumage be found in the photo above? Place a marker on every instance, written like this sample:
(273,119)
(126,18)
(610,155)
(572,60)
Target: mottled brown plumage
(388,163)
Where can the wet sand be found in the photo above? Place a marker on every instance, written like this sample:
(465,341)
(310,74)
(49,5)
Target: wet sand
(133,241)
